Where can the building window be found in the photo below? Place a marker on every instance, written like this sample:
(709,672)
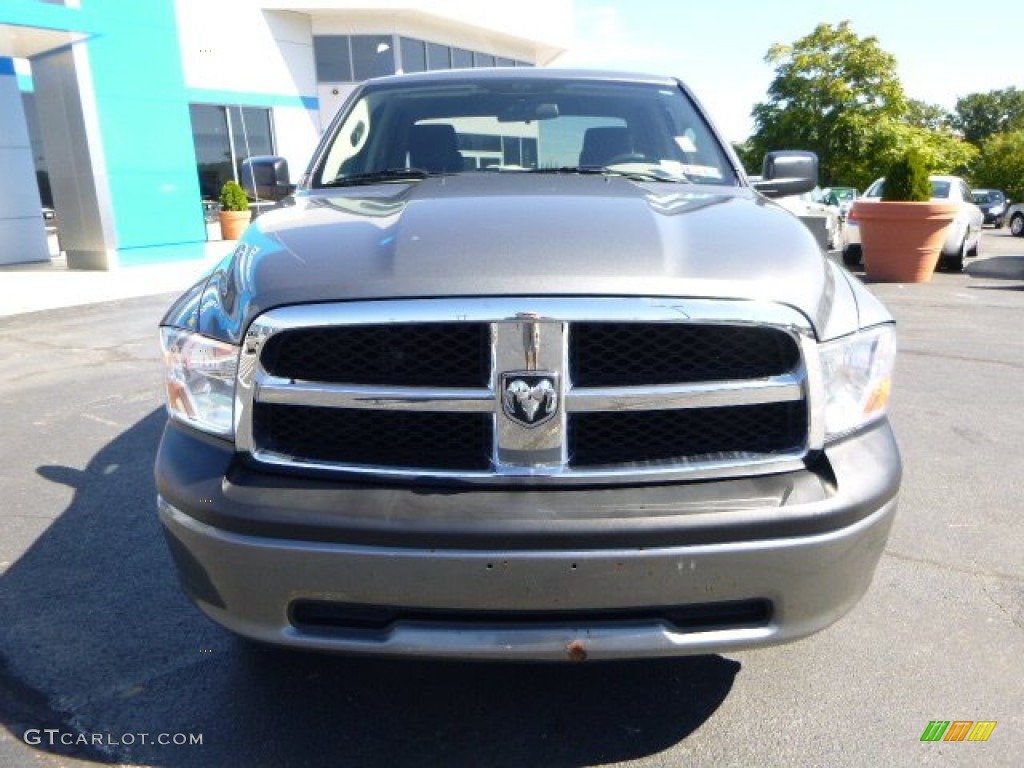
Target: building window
(333,58)
(372,56)
(224,136)
(438,56)
(353,58)
(461,58)
(35,138)
(414,55)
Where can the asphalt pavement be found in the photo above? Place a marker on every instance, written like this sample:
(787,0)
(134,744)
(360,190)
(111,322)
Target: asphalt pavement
(103,660)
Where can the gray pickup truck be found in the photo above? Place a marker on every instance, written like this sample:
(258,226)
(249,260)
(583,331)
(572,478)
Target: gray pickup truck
(526,367)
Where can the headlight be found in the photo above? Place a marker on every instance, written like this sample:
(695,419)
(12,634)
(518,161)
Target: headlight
(996,210)
(857,372)
(199,374)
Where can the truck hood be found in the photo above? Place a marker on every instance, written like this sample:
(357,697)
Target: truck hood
(505,234)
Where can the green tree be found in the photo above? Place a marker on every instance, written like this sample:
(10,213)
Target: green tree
(748,156)
(1001,164)
(931,117)
(831,91)
(885,141)
(980,115)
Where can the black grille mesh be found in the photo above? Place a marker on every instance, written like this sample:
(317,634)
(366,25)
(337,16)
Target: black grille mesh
(450,441)
(624,437)
(634,354)
(404,354)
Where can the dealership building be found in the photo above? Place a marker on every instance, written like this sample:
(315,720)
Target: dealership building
(124,117)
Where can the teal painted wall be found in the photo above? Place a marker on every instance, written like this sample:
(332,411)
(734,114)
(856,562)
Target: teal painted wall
(145,132)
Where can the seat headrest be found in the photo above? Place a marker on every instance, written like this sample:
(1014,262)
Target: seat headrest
(602,144)
(434,148)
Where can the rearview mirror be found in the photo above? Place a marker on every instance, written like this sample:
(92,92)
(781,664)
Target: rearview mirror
(788,172)
(523,111)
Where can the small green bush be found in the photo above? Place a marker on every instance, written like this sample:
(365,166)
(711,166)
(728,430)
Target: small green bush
(907,180)
(232,197)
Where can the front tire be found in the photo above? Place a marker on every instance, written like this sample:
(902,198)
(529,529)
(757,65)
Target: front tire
(1017,225)
(851,255)
(957,262)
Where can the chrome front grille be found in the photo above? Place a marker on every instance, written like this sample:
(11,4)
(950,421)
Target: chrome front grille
(530,390)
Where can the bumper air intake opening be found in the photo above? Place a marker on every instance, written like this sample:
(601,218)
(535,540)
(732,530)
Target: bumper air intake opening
(321,616)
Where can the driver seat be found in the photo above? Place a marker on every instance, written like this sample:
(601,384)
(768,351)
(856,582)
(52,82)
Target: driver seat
(602,144)
(435,148)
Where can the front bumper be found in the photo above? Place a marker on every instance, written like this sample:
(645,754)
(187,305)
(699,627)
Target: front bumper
(513,574)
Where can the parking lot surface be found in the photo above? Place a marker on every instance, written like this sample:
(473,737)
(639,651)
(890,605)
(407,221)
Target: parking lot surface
(102,659)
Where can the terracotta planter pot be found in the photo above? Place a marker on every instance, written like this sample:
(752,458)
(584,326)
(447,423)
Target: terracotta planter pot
(233,223)
(901,241)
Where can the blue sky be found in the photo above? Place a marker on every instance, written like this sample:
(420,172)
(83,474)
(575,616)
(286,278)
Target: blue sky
(944,48)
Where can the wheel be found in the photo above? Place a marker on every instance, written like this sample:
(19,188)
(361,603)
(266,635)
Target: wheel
(957,262)
(976,248)
(1017,225)
(851,255)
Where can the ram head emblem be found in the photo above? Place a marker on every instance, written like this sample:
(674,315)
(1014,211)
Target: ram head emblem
(529,398)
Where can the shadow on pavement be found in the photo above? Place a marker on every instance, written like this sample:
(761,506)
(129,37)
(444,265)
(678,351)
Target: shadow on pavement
(998,267)
(97,642)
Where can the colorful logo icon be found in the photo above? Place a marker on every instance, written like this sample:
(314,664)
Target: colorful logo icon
(958,730)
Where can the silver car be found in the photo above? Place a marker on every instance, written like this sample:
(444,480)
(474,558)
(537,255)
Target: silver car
(963,238)
(527,368)
(1014,219)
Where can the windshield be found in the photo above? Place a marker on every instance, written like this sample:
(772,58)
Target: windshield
(940,189)
(404,131)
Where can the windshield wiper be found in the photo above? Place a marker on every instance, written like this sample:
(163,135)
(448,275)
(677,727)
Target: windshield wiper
(581,169)
(375,177)
(604,170)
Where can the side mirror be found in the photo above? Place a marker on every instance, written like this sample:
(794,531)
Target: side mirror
(265,177)
(788,172)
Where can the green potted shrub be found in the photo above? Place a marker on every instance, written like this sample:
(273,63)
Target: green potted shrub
(901,235)
(907,181)
(234,210)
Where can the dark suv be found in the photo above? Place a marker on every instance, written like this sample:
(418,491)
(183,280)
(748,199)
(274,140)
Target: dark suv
(527,368)
(993,205)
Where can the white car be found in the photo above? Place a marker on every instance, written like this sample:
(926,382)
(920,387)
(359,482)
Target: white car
(964,234)
(813,207)
(841,197)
